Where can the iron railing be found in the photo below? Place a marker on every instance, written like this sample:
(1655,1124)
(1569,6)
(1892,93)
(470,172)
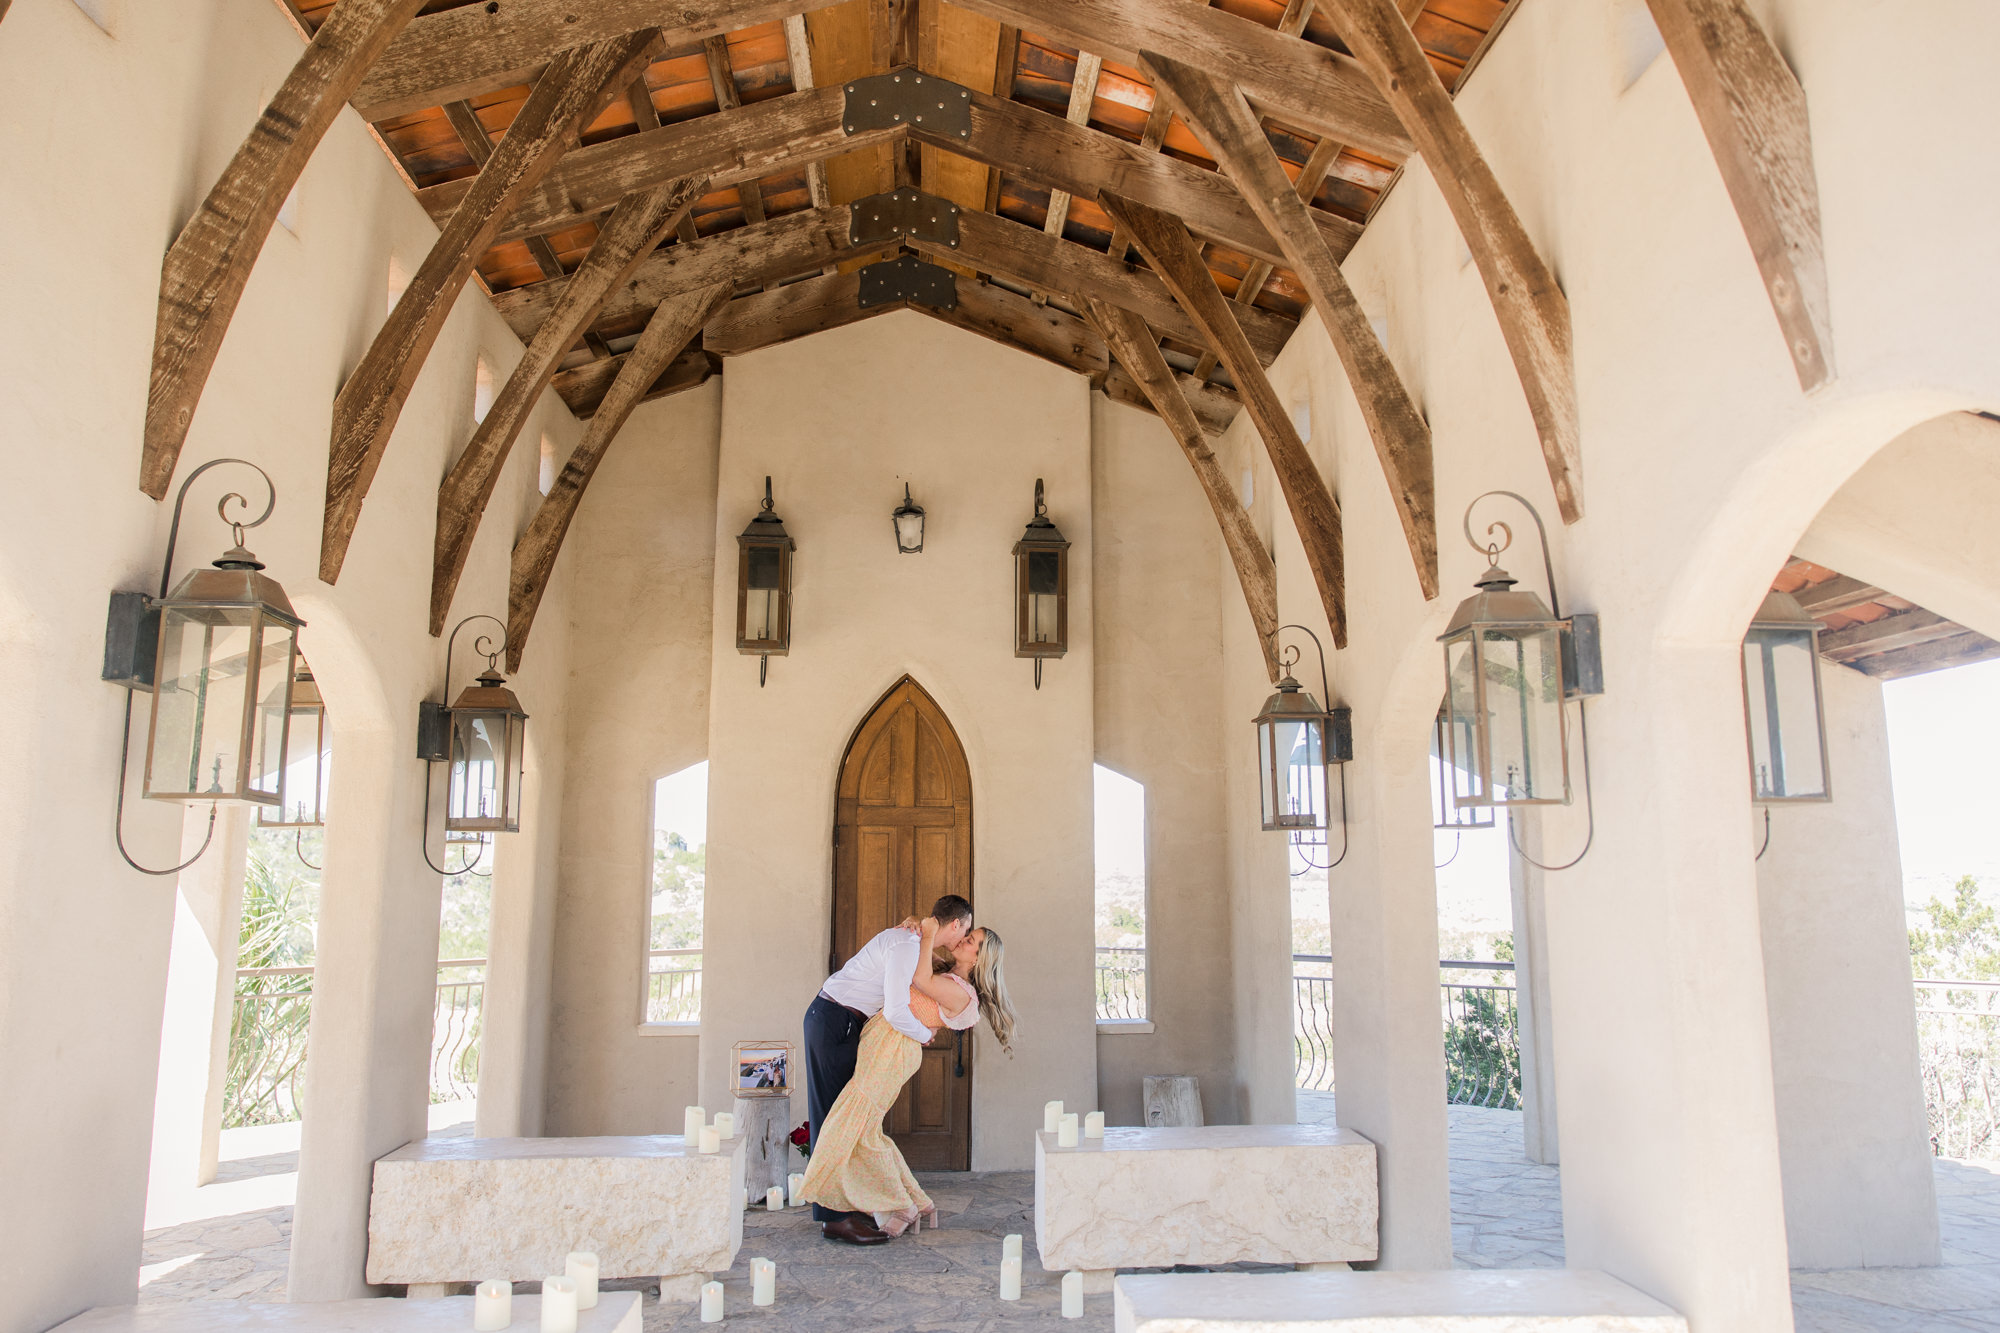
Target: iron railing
(267,1040)
(1482,1031)
(673,986)
(1312,1021)
(1958,1034)
(1121,984)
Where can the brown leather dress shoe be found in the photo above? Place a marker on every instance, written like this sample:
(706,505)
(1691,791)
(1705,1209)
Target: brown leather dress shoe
(854,1231)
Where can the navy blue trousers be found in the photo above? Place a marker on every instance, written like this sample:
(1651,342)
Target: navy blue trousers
(833,1044)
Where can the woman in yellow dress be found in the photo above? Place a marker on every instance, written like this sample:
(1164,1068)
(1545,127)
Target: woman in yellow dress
(855,1167)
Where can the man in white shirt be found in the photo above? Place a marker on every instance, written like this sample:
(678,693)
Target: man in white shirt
(875,980)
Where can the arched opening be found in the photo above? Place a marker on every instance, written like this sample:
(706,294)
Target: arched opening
(1119,814)
(674,916)
(902,837)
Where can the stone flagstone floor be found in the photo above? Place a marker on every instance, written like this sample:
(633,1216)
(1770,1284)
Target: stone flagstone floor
(1506,1213)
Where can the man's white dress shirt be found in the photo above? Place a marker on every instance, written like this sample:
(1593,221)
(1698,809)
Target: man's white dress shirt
(877,981)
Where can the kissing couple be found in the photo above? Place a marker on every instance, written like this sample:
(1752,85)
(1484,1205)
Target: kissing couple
(864,1037)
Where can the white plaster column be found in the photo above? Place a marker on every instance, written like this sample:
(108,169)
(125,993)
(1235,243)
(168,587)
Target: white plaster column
(1669,1134)
(1852,1132)
(194,1028)
(1528,892)
(374,985)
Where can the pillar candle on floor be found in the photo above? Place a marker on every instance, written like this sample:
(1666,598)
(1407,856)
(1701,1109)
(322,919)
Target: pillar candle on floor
(692,1121)
(558,1305)
(774,1199)
(710,1140)
(1072,1295)
(1010,1278)
(492,1305)
(1066,1131)
(711,1302)
(763,1282)
(795,1183)
(1093,1125)
(582,1266)
(725,1124)
(1051,1117)
(1010,1246)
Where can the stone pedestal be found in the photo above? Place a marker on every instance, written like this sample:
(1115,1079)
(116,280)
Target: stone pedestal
(1520,1301)
(615,1312)
(1152,1198)
(764,1125)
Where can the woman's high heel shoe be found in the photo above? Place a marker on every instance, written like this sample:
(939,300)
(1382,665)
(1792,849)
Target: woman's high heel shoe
(928,1215)
(899,1222)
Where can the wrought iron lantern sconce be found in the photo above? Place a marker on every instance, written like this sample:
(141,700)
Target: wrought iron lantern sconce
(1784,712)
(1041,589)
(217,655)
(482,736)
(1512,663)
(1448,816)
(308,764)
(909,521)
(1297,740)
(764,587)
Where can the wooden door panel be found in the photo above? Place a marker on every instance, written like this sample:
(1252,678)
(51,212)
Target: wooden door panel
(903,838)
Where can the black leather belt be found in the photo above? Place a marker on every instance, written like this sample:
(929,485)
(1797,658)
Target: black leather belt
(848,1007)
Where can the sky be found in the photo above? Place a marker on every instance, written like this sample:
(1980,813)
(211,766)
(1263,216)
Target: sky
(680,804)
(1121,823)
(1943,734)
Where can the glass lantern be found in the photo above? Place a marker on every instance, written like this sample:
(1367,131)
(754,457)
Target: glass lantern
(1448,739)
(488,749)
(909,521)
(1504,719)
(1296,740)
(223,686)
(1783,710)
(308,758)
(764,585)
(1041,587)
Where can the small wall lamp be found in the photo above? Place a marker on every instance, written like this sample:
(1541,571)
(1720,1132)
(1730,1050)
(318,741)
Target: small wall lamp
(483,737)
(1296,741)
(308,764)
(909,521)
(1041,589)
(764,587)
(218,657)
(1784,711)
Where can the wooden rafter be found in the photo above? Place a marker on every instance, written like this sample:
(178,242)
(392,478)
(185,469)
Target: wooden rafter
(1082,92)
(728,98)
(1133,344)
(1214,406)
(1753,112)
(672,326)
(633,229)
(799,309)
(1310,177)
(571,92)
(209,263)
(457,53)
(1533,312)
(478,144)
(1015,321)
(583,388)
(1173,254)
(1230,129)
(798,51)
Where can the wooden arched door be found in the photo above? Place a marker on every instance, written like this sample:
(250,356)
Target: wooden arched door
(902,837)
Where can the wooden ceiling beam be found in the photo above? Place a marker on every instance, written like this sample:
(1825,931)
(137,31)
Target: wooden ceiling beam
(1173,254)
(1214,406)
(572,92)
(1082,92)
(1937,655)
(457,53)
(798,50)
(1310,177)
(1300,83)
(1900,630)
(1836,594)
(728,98)
(633,229)
(667,335)
(583,388)
(1533,312)
(1225,123)
(751,323)
(1044,331)
(208,265)
(479,146)
(1138,351)
(1753,112)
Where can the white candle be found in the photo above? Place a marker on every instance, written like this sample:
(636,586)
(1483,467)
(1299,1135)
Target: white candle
(774,1199)
(797,1184)
(1010,1246)
(763,1282)
(582,1266)
(1093,1125)
(1066,1131)
(1051,1117)
(692,1121)
(558,1305)
(1010,1278)
(492,1305)
(710,1140)
(725,1125)
(711,1302)
(1073,1294)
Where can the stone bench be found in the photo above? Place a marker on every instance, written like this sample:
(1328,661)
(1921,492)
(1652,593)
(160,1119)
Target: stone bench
(447,1211)
(1518,1300)
(616,1312)
(1209,1195)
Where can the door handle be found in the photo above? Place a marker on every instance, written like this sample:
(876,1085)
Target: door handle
(958,1055)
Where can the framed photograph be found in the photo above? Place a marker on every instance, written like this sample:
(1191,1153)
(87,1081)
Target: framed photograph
(763,1068)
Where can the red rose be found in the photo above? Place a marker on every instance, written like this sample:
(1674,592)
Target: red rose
(802,1135)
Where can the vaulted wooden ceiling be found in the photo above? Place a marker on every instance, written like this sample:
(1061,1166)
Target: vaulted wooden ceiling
(1147,192)
(1876,632)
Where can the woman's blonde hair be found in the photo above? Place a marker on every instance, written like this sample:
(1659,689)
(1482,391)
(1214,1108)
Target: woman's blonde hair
(991,986)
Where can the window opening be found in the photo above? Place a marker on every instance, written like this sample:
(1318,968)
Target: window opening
(1120,817)
(680,859)
(482,388)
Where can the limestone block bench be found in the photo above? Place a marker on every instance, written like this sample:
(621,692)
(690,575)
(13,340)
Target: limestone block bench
(616,1312)
(463,1210)
(1487,1301)
(1207,1195)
